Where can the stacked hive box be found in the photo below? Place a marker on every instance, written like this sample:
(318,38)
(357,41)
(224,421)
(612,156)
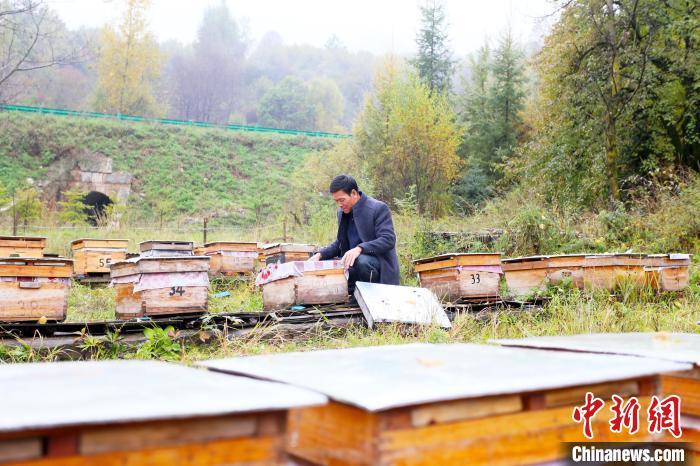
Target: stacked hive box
(174,415)
(448,404)
(165,280)
(677,347)
(454,277)
(34,288)
(94,256)
(525,275)
(302,283)
(22,246)
(230,258)
(285,252)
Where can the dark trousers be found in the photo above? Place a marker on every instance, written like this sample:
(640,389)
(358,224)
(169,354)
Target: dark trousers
(365,269)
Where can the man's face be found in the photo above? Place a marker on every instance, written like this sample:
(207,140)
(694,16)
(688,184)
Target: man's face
(345,201)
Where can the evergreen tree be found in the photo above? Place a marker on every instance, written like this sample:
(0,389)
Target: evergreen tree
(507,99)
(434,61)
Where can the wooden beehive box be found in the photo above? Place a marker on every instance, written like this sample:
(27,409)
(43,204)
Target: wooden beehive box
(525,275)
(142,413)
(608,271)
(22,246)
(459,276)
(303,283)
(157,248)
(286,252)
(667,272)
(676,347)
(455,404)
(160,286)
(34,287)
(94,256)
(230,258)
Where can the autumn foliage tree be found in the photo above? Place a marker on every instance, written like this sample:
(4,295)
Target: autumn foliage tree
(129,63)
(407,140)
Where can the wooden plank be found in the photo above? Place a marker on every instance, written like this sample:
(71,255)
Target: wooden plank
(244,451)
(128,302)
(29,242)
(522,282)
(460,410)
(21,252)
(20,449)
(327,288)
(231,264)
(162,434)
(17,303)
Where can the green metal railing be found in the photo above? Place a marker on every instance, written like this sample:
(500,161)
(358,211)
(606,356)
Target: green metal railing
(169,121)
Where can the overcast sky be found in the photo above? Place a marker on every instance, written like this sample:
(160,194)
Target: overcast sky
(379,26)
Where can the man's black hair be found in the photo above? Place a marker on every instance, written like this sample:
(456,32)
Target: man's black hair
(345,183)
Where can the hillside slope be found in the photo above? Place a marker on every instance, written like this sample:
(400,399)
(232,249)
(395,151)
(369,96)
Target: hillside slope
(239,177)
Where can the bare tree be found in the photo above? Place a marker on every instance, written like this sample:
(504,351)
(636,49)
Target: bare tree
(31,38)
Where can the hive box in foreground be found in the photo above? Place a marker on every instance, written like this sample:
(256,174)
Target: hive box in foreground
(678,347)
(141,412)
(423,404)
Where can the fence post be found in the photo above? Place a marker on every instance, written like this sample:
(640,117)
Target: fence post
(284,229)
(14,214)
(206,220)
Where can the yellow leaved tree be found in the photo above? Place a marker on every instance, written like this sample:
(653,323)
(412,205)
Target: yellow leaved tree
(129,63)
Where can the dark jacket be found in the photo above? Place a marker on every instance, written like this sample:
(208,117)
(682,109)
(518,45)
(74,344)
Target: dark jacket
(376,229)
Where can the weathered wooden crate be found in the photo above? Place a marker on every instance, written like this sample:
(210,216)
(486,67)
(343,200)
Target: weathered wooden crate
(609,271)
(230,258)
(566,268)
(94,256)
(455,404)
(176,416)
(32,288)
(667,272)
(159,286)
(22,246)
(459,276)
(304,286)
(157,248)
(286,252)
(676,347)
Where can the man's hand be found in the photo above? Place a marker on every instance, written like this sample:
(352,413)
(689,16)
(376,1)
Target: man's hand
(350,256)
(315,257)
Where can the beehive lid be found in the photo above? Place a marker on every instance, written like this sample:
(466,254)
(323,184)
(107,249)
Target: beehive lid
(166,245)
(56,267)
(118,244)
(23,241)
(679,347)
(217,246)
(275,248)
(399,304)
(457,259)
(100,392)
(515,260)
(384,377)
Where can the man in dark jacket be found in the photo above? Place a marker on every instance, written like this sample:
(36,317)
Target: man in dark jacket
(366,241)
